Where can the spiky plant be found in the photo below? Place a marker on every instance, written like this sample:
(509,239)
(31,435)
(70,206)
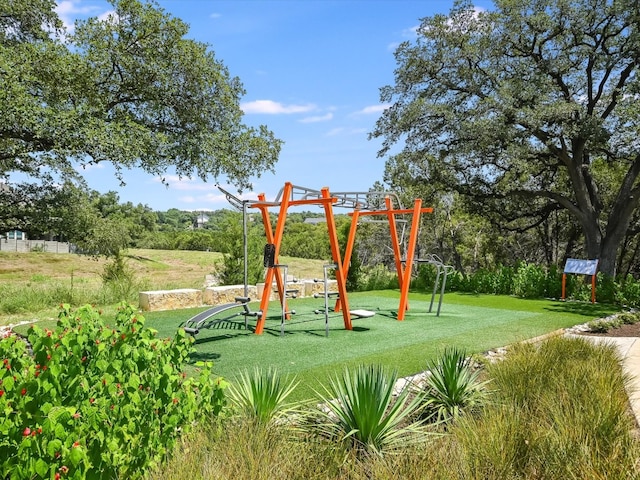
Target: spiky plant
(261,395)
(359,409)
(452,387)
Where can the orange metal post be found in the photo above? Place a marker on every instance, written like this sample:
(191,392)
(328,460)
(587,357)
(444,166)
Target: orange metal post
(411,249)
(341,276)
(404,274)
(593,289)
(276,239)
(348,252)
(395,243)
(564,283)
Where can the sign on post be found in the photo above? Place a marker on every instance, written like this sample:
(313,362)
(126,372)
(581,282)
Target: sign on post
(581,267)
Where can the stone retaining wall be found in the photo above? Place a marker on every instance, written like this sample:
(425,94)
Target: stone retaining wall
(191,297)
(170,299)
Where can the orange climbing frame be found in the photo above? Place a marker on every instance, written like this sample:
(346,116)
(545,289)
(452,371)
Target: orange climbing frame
(403,268)
(275,237)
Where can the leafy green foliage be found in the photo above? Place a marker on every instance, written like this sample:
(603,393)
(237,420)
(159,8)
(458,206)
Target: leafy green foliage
(230,238)
(93,401)
(359,410)
(529,281)
(120,279)
(453,388)
(528,111)
(128,88)
(261,395)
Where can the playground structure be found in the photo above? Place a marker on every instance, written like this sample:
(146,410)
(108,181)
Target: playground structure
(213,315)
(363,204)
(442,270)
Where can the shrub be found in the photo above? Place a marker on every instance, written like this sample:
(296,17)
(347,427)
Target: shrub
(529,281)
(628,292)
(361,412)
(261,395)
(93,401)
(602,325)
(452,387)
(377,277)
(120,279)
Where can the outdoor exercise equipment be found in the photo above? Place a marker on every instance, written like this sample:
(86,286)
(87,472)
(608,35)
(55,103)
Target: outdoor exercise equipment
(581,267)
(326,294)
(290,196)
(363,206)
(269,262)
(442,270)
(242,206)
(213,315)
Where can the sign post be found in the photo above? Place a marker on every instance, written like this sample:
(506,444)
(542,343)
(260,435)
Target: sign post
(581,267)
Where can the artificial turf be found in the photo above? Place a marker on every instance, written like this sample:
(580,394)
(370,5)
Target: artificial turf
(476,323)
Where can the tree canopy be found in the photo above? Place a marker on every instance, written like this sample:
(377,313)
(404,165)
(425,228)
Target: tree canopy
(526,110)
(128,88)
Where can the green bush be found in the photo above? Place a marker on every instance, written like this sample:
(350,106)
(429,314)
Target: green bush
(377,277)
(453,387)
(628,292)
(261,395)
(358,410)
(602,326)
(529,281)
(88,400)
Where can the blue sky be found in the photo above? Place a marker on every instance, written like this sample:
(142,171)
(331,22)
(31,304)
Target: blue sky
(312,70)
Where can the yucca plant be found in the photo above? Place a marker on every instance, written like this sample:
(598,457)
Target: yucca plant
(261,395)
(359,409)
(452,387)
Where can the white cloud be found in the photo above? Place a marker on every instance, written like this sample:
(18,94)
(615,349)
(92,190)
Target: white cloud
(109,15)
(215,15)
(70,10)
(320,118)
(274,108)
(346,131)
(335,131)
(411,32)
(392,47)
(92,166)
(373,109)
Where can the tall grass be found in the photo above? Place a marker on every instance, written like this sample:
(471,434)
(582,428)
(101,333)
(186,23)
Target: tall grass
(34,297)
(558,411)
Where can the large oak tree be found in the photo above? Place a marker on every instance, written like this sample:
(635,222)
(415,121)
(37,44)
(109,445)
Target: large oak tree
(526,109)
(128,88)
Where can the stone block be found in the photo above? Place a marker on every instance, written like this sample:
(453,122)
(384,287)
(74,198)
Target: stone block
(170,299)
(312,287)
(227,294)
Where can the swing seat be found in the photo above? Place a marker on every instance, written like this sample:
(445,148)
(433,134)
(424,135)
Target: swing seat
(362,313)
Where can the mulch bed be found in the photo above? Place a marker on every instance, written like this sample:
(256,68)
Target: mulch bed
(632,330)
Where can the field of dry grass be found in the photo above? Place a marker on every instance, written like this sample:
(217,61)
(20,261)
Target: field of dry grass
(28,277)
(161,269)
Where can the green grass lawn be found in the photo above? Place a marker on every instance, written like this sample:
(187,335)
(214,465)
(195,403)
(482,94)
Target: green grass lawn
(474,322)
